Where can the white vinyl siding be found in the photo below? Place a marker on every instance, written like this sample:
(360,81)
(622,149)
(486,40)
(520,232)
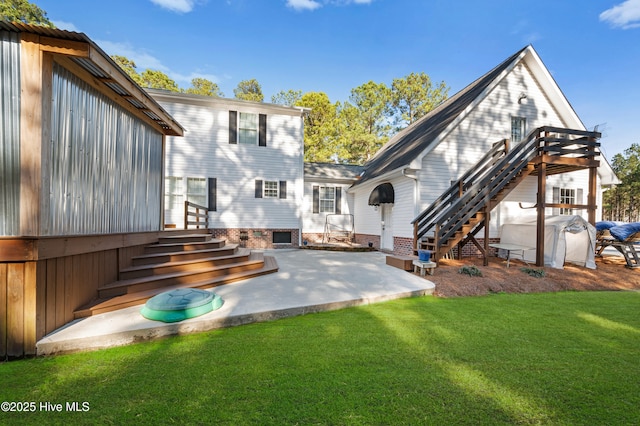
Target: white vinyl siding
(489,122)
(205,151)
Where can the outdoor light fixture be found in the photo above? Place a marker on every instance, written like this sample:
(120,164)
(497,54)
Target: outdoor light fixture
(521,97)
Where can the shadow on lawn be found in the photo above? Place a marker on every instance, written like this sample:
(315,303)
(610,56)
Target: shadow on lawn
(565,358)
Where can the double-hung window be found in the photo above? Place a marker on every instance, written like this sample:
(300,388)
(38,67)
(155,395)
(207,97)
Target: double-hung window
(173,192)
(327,199)
(248,128)
(197,191)
(518,129)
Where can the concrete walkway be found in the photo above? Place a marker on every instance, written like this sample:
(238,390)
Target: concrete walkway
(307,281)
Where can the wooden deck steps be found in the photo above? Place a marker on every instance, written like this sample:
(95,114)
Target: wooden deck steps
(178,262)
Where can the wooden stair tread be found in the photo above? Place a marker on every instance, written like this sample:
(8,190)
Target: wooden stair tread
(99,306)
(151,278)
(242,252)
(184,246)
(151,256)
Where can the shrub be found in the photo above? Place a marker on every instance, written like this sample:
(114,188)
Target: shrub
(537,273)
(471,271)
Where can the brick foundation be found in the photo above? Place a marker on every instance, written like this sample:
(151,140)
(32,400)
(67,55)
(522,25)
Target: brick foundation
(255,238)
(365,239)
(470,249)
(403,246)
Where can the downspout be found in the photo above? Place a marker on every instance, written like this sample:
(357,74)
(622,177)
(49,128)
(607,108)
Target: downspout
(415,189)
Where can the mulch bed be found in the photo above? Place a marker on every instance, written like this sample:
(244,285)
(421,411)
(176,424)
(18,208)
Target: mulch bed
(611,274)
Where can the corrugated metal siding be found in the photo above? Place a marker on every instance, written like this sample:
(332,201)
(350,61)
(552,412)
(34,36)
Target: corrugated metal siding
(9,134)
(106,165)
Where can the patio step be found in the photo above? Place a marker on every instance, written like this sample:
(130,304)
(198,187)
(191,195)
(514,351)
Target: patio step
(133,285)
(177,245)
(184,265)
(177,256)
(109,304)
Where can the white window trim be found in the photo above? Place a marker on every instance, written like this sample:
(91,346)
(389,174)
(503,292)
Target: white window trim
(178,193)
(333,200)
(195,196)
(256,129)
(264,189)
(523,128)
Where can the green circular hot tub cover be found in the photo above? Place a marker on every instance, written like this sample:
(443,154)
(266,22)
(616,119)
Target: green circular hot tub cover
(180,304)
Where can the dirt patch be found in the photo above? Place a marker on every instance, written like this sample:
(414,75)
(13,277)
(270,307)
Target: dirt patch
(611,274)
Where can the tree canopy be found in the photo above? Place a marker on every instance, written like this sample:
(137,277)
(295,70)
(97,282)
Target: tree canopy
(24,11)
(249,90)
(622,202)
(204,87)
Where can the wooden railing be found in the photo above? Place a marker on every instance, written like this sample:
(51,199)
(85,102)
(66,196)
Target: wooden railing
(199,214)
(451,211)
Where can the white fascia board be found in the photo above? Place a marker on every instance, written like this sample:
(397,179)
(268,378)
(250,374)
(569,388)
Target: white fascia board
(226,103)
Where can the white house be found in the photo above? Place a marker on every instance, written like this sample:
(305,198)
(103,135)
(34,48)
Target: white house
(420,163)
(243,161)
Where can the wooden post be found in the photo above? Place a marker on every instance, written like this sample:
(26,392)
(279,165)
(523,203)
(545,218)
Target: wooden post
(542,190)
(486,233)
(591,197)
(30,134)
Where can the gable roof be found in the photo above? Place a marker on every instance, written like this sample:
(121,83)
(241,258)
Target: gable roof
(91,58)
(405,146)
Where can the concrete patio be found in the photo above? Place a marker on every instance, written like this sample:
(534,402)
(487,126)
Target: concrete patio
(307,281)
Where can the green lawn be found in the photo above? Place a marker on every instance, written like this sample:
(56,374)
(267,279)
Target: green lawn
(556,358)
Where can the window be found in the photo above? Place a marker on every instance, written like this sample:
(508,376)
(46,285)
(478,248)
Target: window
(248,129)
(270,189)
(281,237)
(197,191)
(173,192)
(518,129)
(566,196)
(327,200)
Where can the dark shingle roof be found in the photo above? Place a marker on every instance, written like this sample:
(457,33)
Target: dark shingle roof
(332,171)
(409,143)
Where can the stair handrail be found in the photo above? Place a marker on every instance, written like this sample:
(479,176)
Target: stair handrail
(498,149)
(476,197)
(438,215)
(523,154)
(200,212)
(504,170)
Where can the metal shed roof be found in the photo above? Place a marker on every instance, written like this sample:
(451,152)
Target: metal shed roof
(88,55)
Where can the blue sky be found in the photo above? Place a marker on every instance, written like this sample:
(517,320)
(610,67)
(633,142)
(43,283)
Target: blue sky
(592,48)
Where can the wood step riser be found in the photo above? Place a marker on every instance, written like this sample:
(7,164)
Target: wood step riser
(182,256)
(171,248)
(171,269)
(115,304)
(181,239)
(160,281)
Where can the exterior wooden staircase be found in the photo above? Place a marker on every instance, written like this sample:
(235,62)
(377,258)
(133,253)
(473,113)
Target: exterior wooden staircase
(194,261)
(457,215)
